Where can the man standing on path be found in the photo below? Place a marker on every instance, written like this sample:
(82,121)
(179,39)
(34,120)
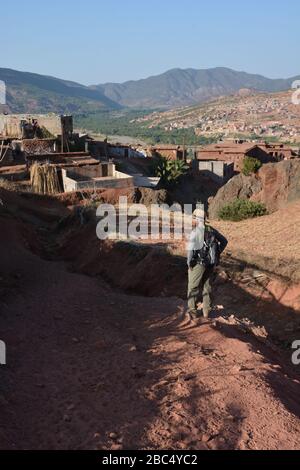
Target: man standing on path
(204,249)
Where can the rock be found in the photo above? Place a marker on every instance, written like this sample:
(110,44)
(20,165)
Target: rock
(236,369)
(275,185)
(207,437)
(242,187)
(116,447)
(222,278)
(257,274)
(280,184)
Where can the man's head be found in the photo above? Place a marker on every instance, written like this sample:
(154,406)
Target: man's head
(200,215)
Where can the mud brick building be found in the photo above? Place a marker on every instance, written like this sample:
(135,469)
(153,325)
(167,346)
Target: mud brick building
(278,151)
(12,125)
(171,152)
(235,153)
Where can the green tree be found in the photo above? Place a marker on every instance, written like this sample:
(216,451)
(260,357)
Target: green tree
(169,171)
(251,165)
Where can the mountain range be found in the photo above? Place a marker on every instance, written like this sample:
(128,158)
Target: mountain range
(33,93)
(28,92)
(187,87)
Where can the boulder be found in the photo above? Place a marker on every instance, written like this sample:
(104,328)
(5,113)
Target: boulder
(275,185)
(280,184)
(239,187)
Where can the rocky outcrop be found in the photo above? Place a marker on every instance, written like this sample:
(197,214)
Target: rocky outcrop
(275,185)
(280,184)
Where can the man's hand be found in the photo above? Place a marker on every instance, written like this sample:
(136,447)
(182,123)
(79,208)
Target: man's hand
(192,264)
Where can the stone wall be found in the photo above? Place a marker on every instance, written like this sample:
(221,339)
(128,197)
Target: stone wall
(82,178)
(10,125)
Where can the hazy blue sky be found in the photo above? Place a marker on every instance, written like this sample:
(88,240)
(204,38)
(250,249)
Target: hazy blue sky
(95,41)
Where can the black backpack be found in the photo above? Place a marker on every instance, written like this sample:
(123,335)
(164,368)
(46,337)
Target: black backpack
(209,255)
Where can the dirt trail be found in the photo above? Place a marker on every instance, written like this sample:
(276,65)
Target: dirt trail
(92,368)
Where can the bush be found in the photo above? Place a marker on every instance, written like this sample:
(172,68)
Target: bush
(169,171)
(242,209)
(251,165)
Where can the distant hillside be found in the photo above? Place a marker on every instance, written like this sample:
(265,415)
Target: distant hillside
(179,87)
(28,92)
(244,115)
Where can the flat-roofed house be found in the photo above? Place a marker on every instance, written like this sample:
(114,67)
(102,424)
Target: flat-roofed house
(169,151)
(278,151)
(231,152)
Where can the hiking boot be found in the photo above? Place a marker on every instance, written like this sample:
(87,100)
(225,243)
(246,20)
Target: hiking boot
(193,315)
(203,321)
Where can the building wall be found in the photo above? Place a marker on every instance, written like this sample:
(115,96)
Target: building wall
(6,156)
(169,154)
(119,181)
(236,156)
(98,149)
(38,146)
(260,154)
(278,152)
(145,181)
(220,171)
(10,125)
(103,170)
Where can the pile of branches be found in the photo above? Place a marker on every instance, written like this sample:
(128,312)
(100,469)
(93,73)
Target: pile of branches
(37,146)
(44,179)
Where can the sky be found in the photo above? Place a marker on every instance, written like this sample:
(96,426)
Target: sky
(98,41)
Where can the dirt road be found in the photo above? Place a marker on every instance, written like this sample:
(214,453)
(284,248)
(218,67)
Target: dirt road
(92,368)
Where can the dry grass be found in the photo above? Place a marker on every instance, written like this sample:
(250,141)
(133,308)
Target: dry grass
(272,242)
(44,179)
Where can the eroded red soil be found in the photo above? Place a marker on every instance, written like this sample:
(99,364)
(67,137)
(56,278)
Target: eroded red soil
(90,367)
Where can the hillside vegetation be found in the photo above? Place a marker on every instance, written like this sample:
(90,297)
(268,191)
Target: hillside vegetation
(33,93)
(179,87)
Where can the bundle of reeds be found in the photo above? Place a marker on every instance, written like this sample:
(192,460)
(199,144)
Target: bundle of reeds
(44,179)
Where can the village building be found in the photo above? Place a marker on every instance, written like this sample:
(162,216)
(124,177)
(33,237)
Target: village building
(218,170)
(30,126)
(235,153)
(171,152)
(75,161)
(100,176)
(278,151)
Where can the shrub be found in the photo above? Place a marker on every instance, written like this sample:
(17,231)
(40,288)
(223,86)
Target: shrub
(242,209)
(170,171)
(251,165)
